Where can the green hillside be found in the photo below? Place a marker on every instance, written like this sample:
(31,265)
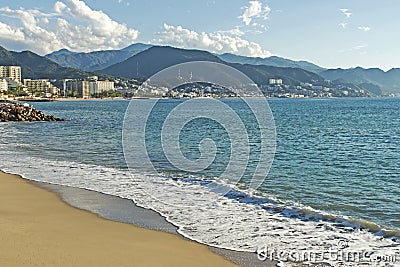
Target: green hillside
(157,58)
(38,67)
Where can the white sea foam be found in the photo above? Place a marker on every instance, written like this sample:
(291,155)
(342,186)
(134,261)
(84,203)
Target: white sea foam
(241,221)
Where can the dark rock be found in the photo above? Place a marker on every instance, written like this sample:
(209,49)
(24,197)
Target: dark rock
(17,112)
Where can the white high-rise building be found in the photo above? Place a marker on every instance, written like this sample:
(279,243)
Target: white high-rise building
(11,72)
(98,87)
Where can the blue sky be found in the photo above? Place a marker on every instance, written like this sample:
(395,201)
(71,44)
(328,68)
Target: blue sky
(329,33)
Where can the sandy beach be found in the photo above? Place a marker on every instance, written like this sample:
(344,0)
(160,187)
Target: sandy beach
(39,229)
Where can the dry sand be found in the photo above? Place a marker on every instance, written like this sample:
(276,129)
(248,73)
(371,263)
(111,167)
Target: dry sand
(38,229)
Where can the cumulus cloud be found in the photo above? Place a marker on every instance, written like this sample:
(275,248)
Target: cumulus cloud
(10,34)
(217,42)
(72,25)
(364,28)
(59,7)
(255,10)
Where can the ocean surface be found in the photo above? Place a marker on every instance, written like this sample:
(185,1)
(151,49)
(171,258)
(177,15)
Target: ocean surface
(335,174)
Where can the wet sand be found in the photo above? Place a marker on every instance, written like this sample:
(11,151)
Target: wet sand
(37,228)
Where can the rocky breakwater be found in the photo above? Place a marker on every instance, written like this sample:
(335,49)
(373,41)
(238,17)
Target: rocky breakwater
(23,112)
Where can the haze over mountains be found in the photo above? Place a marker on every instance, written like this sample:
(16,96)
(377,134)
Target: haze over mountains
(143,60)
(271,61)
(388,82)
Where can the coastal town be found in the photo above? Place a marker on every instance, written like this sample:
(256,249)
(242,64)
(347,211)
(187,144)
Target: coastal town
(14,87)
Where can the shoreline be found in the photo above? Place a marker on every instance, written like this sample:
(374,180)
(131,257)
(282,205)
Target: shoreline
(160,97)
(40,229)
(116,210)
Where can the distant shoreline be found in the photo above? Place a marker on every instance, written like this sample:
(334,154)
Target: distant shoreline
(153,97)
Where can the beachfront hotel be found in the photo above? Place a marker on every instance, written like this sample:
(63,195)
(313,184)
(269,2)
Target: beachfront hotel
(11,72)
(88,87)
(41,85)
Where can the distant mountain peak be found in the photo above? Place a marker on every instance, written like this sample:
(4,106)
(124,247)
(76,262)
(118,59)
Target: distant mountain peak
(136,47)
(63,51)
(145,64)
(95,60)
(156,58)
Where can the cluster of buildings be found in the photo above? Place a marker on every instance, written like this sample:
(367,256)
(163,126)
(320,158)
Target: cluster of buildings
(277,88)
(11,83)
(88,87)
(41,87)
(10,77)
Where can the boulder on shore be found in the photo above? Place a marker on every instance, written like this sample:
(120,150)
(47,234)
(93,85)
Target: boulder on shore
(24,112)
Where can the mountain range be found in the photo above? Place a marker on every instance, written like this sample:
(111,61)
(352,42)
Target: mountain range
(96,60)
(149,62)
(372,79)
(273,61)
(143,60)
(38,67)
(144,64)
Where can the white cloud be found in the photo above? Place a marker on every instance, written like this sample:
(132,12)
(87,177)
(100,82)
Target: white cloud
(10,34)
(74,25)
(236,31)
(254,31)
(346,12)
(59,7)
(217,42)
(44,20)
(359,47)
(255,10)
(262,26)
(364,28)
